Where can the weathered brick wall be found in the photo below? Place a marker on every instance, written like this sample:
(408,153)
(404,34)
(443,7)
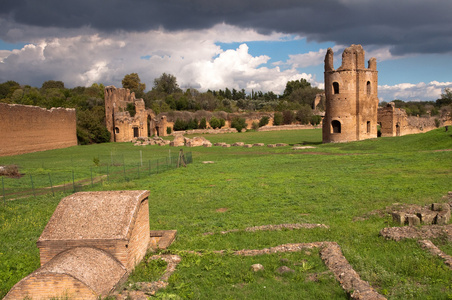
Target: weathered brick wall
(50,249)
(140,237)
(351,97)
(46,286)
(25,128)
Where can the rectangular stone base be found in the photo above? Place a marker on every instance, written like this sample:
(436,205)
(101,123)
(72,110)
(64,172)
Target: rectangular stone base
(162,239)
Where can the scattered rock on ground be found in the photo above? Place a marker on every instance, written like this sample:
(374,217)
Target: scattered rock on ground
(257,267)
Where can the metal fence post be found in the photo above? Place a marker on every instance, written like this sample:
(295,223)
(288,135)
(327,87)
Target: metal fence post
(149,167)
(32,186)
(51,185)
(73,180)
(3,189)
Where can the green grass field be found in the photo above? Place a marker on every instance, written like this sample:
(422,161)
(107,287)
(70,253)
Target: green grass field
(338,185)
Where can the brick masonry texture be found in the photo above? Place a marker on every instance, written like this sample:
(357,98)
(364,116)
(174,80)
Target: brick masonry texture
(25,128)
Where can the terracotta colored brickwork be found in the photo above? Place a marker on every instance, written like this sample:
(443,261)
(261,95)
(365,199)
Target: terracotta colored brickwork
(122,126)
(140,238)
(125,235)
(38,286)
(351,97)
(393,121)
(25,128)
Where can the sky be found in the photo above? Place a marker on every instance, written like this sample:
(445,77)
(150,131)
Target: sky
(255,45)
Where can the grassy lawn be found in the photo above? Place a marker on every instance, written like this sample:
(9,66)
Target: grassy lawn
(338,185)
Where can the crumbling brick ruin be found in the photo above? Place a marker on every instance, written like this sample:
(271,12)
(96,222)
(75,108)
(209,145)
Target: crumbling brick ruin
(351,94)
(90,245)
(26,128)
(393,121)
(124,127)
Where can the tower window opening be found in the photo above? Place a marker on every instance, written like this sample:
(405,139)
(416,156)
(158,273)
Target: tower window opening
(335,88)
(336,126)
(368,126)
(369,89)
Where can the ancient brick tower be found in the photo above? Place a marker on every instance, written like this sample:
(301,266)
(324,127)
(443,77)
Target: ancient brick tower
(351,97)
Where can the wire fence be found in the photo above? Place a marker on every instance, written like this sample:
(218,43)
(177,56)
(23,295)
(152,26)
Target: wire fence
(113,169)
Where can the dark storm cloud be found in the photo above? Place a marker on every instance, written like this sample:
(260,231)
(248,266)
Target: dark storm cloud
(409,26)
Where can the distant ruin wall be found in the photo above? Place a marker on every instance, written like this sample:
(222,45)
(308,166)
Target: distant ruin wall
(25,128)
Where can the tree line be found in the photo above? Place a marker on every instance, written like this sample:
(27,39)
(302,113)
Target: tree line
(295,104)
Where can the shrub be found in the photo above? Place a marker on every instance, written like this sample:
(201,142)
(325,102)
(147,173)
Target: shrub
(304,115)
(214,123)
(264,121)
(238,123)
(288,117)
(179,125)
(315,119)
(168,130)
(437,123)
(222,122)
(131,109)
(217,123)
(277,118)
(203,123)
(255,126)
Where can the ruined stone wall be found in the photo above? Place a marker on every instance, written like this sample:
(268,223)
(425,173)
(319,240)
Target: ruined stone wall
(25,128)
(122,126)
(351,97)
(395,122)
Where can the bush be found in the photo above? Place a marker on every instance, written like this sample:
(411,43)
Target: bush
(255,126)
(238,123)
(217,123)
(214,123)
(203,123)
(264,121)
(315,119)
(304,115)
(277,119)
(179,125)
(437,123)
(168,130)
(288,117)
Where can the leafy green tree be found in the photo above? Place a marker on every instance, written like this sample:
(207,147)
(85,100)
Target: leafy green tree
(446,98)
(91,126)
(52,84)
(277,118)
(291,86)
(166,84)
(7,89)
(133,82)
(264,121)
(238,123)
